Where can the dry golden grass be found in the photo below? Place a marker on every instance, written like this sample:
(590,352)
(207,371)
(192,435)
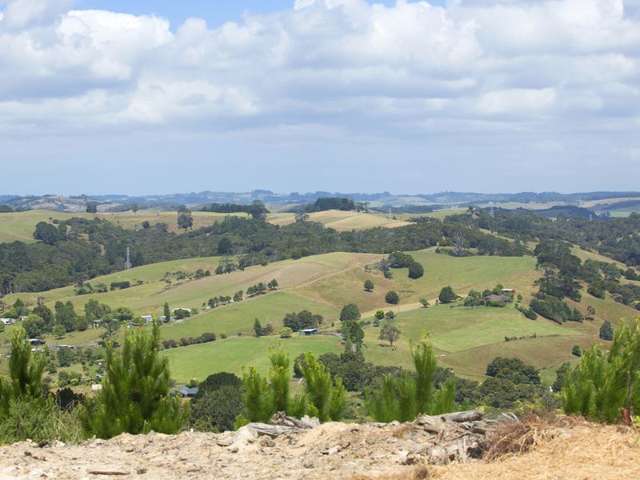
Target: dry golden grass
(563,449)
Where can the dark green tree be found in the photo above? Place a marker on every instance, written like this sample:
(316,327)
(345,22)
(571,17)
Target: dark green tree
(47,233)
(392,297)
(225,247)
(350,312)
(415,270)
(368,285)
(185,220)
(447,295)
(606,331)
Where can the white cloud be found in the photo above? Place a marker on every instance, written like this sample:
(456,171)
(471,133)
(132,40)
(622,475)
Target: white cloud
(24,13)
(348,65)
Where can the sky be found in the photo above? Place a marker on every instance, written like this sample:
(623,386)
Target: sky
(151,97)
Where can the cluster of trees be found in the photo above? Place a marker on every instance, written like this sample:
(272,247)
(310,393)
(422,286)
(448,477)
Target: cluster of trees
(215,302)
(490,298)
(553,308)
(86,288)
(262,331)
(41,319)
(613,237)
(402,260)
(510,383)
(254,290)
(262,288)
(331,203)
(218,403)
(186,341)
(257,209)
(302,320)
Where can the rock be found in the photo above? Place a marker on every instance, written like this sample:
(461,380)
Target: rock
(266,442)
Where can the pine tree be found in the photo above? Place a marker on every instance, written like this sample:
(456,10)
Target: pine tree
(406,397)
(25,373)
(604,386)
(606,331)
(280,375)
(327,399)
(135,396)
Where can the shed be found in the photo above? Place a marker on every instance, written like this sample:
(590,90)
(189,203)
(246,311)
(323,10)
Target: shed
(309,331)
(188,392)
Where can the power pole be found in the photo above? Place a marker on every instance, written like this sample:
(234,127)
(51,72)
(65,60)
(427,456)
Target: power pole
(127,263)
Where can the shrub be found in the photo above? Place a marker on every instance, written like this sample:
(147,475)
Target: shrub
(576,351)
(120,285)
(39,420)
(447,295)
(390,333)
(415,270)
(368,285)
(392,297)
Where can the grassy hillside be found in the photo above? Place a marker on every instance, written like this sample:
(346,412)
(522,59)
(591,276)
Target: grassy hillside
(150,296)
(234,354)
(462,274)
(466,338)
(20,226)
(342,221)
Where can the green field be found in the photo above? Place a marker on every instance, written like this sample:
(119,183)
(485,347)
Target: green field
(455,331)
(20,226)
(239,318)
(234,354)
(466,339)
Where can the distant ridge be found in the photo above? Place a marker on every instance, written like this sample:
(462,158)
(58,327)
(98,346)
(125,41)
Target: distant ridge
(382,200)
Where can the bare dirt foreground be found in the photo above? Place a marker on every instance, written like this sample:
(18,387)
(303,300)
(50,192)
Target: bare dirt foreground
(577,451)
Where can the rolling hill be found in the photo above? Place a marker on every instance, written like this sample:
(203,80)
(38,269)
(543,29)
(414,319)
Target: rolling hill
(466,338)
(19,226)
